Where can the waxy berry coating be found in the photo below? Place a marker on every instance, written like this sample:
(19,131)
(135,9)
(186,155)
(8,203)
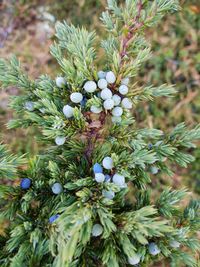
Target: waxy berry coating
(60,82)
(90,86)
(68,111)
(97,230)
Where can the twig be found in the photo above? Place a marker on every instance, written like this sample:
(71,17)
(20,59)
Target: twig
(131,30)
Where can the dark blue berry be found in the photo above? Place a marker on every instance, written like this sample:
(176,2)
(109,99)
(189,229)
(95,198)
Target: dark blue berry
(53,218)
(107,178)
(150,146)
(25,183)
(83,102)
(97,168)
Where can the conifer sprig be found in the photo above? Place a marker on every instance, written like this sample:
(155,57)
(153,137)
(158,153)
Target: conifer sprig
(87,200)
(9,163)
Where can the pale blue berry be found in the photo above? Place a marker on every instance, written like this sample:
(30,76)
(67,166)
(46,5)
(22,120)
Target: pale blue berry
(57,188)
(101,74)
(108,104)
(29,105)
(68,111)
(90,86)
(99,177)
(154,169)
(60,82)
(106,94)
(97,230)
(119,180)
(125,81)
(116,99)
(60,140)
(107,163)
(102,83)
(95,109)
(117,111)
(126,103)
(153,249)
(134,260)
(110,77)
(123,89)
(76,97)
(109,194)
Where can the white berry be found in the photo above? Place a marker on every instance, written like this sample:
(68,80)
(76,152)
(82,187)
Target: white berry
(117,111)
(126,103)
(57,188)
(116,99)
(134,260)
(102,84)
(29,105)
(76,97)
(97,230)
(107,163)
(119,180)
(116,119)
(108,194)
(108,104)
(99,177)
(95,109)
(106,94)
(110,77)
(90,86)
(60,140)
(68,111)
(60,82)
(101,74)
(123,89)
(125,81)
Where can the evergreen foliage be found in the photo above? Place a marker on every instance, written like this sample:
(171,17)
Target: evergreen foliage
(9,163)
(72,214)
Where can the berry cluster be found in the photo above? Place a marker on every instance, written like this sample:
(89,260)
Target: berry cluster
(100,177)
(111,99)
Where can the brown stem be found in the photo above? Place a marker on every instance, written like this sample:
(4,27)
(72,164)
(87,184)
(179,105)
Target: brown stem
(139,11)
(131,30)
(93,134)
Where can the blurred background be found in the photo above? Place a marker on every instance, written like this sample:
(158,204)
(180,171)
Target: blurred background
(27,28)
